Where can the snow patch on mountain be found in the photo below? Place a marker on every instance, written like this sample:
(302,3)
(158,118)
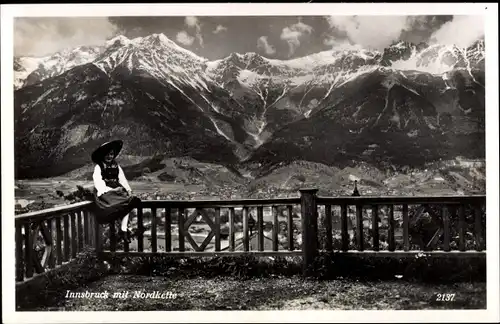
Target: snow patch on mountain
(249,78)
(439,59)
(417,62)
(350,76)
(119,40)
(212,65)
(46,93)
(74,135)
(307,62)
(26,65)
(53,65)
(219,131)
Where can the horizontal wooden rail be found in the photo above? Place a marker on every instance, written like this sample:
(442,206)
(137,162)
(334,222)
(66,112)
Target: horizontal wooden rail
(238,203)
(47,213)
(399,200)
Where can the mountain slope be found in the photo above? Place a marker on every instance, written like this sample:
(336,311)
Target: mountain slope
(409,104)
(59,132)
(387,119)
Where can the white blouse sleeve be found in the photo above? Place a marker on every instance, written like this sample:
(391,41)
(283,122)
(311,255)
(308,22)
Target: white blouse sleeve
(123,179)
(99,183)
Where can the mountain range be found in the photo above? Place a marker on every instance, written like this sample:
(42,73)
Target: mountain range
(407,105)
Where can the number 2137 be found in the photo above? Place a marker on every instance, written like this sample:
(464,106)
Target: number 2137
(445,297)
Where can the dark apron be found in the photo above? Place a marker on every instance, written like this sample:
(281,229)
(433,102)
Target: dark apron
(114,205)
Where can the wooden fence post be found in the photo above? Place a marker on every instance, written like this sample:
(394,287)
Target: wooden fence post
(309,228)
(97,236)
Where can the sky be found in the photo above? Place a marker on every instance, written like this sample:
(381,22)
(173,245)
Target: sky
(280,37)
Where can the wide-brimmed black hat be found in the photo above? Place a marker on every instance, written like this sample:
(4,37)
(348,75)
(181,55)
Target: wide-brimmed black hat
(99,154)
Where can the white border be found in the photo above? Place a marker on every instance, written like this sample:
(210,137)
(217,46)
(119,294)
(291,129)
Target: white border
(222,9)
(246,9)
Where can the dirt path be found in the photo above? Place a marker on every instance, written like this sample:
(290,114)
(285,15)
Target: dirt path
(270,294)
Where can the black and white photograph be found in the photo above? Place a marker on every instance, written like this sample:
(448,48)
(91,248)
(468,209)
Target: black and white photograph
(172,159)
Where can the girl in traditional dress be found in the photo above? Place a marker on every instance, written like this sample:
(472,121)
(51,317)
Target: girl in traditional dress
(113,195)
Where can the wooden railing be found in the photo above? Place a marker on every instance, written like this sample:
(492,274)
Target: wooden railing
(261,227)
(448,214)
(230,223)
(52,237)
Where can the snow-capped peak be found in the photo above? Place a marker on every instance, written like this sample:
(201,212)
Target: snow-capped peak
(435,59)
(157,56)
(118,40)
(30,70)
(163,41)
(149,40)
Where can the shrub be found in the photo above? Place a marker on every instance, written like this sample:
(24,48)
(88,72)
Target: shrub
(243,267)
(327,266)
(421,268)
(300,177)
(80,194)
(48,289)
(165,176)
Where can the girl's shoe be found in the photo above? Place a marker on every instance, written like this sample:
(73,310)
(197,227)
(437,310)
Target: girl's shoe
(138,231)
(124,235)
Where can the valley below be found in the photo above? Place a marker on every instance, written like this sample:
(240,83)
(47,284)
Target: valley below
(156,178)
(188,179)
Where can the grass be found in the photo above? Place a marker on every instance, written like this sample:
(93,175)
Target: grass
(248,283)
(45,290)
(276,293)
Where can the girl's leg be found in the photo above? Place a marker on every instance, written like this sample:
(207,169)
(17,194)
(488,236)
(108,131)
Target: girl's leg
(124,232)
(125,223)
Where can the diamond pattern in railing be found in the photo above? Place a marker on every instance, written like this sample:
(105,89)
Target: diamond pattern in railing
(187,235)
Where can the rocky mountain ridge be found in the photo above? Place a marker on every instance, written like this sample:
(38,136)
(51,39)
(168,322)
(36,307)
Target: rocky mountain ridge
(409,104)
